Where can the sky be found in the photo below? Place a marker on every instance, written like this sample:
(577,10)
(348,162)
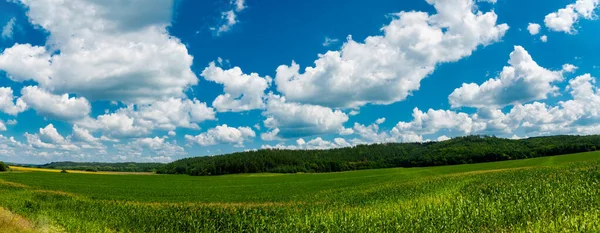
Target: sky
(116,81)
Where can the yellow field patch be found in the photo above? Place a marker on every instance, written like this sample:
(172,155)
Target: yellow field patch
(31,169)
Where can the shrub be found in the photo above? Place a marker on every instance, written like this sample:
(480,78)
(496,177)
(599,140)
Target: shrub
(64,171)
(3,167)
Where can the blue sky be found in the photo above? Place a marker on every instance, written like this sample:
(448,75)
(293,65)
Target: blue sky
(128,81)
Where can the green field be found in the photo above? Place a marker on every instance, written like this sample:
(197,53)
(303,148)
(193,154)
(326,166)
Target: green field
(549,194)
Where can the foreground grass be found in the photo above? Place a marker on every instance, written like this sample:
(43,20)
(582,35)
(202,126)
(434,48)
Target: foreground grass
(551,194)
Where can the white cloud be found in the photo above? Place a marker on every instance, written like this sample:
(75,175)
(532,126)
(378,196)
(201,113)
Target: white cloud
(432,121)
(172,113)
(223,134)
(49,134)
(2,126)
(7,104)
(443,138)
(330,41)
(523,81)
(533,28)
(149,150)
(59,107)
(564,19)
(34,141)
(49,138)
(108,51)
(371,134)
(172,133)
(229,18)
(380,121)
(353,113)
(11,122)
(569,68)
(242,92)
(24,62)
(140,120)
(299,120)
(386,69)
(8,29)
(84,135)
(346,131)
(544,38)
(271,135)
(314,144)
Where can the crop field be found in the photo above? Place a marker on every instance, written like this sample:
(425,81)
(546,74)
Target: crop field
(548,194)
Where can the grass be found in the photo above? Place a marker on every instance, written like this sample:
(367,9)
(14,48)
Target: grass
(550,194)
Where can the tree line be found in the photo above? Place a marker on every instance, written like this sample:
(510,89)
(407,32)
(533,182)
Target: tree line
(461,150)
(106,167)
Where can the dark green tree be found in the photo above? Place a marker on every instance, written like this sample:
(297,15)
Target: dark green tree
(3,167)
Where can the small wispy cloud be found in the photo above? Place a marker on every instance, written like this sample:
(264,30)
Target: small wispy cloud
(330,41)
(229,18)
(7,30)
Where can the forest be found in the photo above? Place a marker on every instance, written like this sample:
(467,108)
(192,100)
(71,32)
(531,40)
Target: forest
(461,150)
(107,167)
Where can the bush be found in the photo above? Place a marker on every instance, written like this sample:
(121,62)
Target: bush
(64,171)
(3,167)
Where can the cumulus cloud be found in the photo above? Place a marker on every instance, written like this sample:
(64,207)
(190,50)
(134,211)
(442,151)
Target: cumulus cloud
(299,120)
(544,38)
(523,81)
(173,113)
(314,144)
(386,69)
(49,138)
(229,18)
(8,104)
(84,135)
(7,30)
(223,134)
(107,50)
(59,107)
(432,121)
(533,28)
(25,62)
(564,19)
(578,115)
(242,92)
(143,119)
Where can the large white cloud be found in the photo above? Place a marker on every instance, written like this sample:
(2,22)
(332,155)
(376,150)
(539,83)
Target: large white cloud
(242,92)
(386,69)
(143,119)
(223,134)
(298,120)
(173,113)
(110,50)
(8,104)
(564,19)
(59,107)
(523,81)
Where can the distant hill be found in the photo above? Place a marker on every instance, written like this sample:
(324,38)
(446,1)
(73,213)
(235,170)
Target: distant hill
(462,150)
(109,167)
